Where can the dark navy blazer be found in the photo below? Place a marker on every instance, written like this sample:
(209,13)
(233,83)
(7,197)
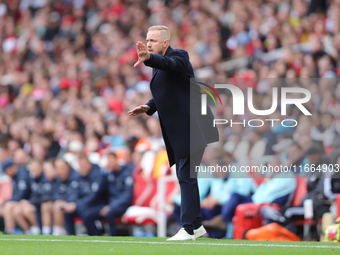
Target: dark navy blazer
(173,95)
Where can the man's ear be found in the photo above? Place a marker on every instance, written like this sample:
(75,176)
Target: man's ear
(166,43)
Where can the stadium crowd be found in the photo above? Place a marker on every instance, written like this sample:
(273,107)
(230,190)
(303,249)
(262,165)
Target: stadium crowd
(67,82)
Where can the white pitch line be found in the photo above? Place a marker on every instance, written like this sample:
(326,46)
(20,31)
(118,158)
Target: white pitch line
(170,243)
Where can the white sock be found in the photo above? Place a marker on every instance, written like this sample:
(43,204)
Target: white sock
(58,231)
(46,230)
(35,230)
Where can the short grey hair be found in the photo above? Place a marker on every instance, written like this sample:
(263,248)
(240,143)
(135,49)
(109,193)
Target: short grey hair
(166,32)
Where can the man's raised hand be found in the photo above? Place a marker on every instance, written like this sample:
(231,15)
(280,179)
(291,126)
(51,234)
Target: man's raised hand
(143,53)
(139,109)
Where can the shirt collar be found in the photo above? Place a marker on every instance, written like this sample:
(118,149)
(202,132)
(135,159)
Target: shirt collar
(168,51)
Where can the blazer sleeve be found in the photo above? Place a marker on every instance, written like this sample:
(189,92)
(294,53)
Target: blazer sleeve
(152,106)
(178,61)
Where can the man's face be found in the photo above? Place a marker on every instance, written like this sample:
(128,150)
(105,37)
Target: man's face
(155,42)
(84,167)
(20,157)
(49,170)
(35,168)
(112,162)
(62,169)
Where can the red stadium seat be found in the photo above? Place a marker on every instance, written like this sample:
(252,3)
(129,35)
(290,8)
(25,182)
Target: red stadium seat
(300,192)
(146,203)
(247,216)
(6,188)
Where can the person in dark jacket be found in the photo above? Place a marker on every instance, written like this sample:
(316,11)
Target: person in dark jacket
(66,178)
(119,188)
(315,185)
(315,181)
(20,183)
(331,182)
(48,196)
(28,213)
(185,131)
(87,194)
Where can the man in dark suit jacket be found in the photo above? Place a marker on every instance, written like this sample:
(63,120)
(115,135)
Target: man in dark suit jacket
(185,131)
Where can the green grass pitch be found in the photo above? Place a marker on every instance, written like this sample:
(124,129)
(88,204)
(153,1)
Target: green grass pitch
(83,245)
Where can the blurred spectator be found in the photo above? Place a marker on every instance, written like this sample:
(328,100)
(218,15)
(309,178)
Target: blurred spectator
(316,179)
(85,194)
(119,189)
(20,157)
(66,177)
(21,190)
(318,184)
(295,158)
(275,189)
(29,211)
(216,192)
(49,187)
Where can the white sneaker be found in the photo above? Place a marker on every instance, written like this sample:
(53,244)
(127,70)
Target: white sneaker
(199,232)
(182,235)
(59,231)
(35,230)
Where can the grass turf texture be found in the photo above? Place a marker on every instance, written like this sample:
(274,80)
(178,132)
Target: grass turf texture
(40,245)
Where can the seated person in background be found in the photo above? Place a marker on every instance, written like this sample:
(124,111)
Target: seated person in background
(210,192)
(20,182)
(332,182)
(215,192)
(29,209)
(295,157)
(272,190)
(49,186)
(324,187)
(315,184)
(223,186)
(86,194)
(66,177)
(254,147)
(119,187)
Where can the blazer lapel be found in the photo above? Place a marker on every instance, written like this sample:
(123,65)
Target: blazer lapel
(154,70)
(154,73)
